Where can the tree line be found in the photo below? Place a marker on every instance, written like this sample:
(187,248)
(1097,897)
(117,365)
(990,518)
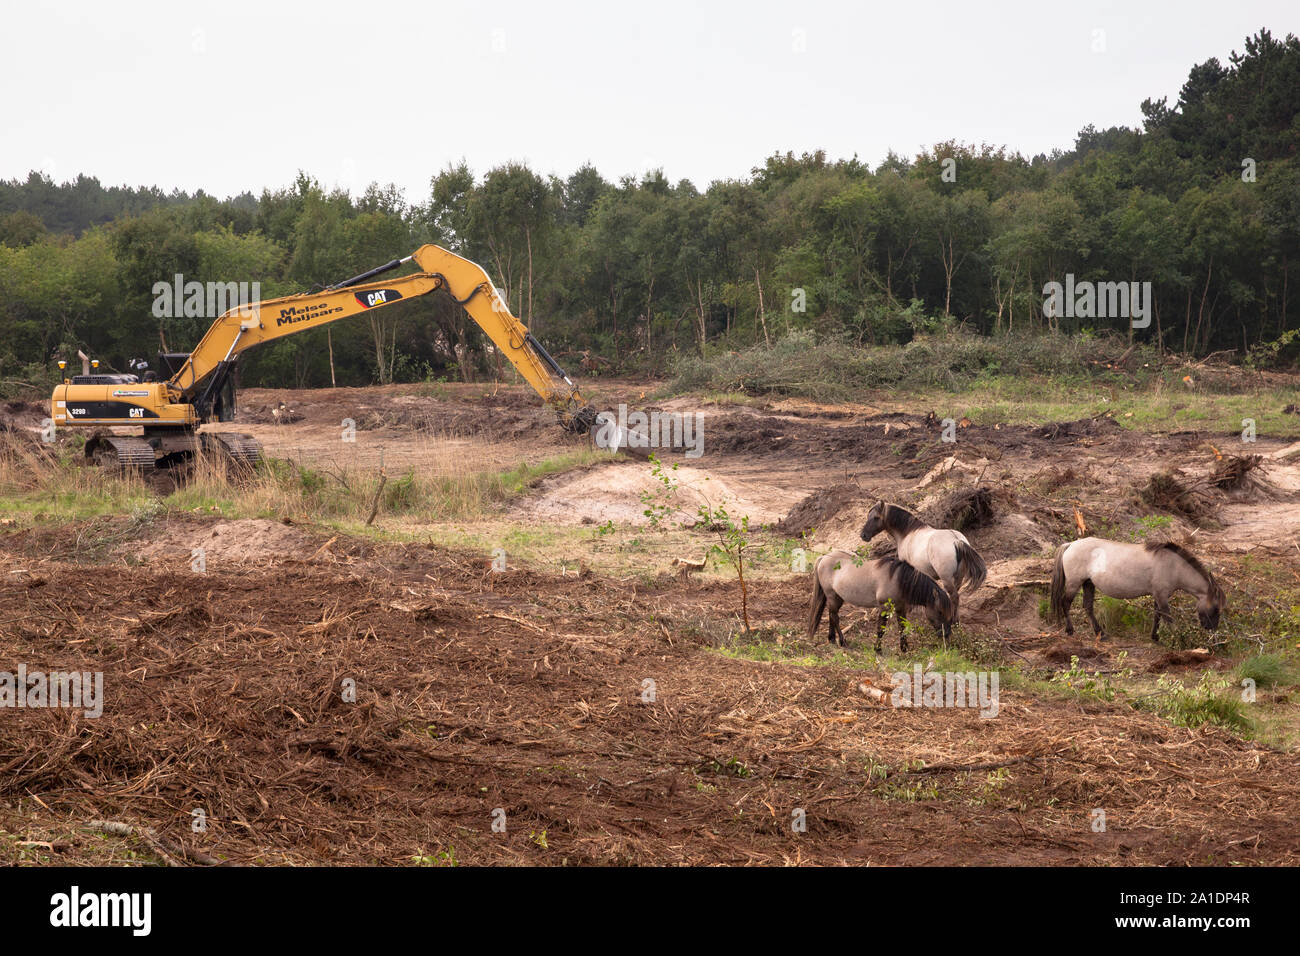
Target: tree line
(1202,202)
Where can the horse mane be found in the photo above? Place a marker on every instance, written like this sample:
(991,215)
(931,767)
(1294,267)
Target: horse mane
(1154,546)
(899,519)
(917,588)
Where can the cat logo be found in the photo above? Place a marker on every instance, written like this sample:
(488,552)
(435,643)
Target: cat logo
(368,300)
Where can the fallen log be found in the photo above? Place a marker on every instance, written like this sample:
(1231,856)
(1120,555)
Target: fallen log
(1290,451)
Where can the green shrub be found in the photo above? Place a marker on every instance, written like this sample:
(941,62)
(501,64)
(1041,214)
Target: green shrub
(1266,670)
(833,368)
(1206,703)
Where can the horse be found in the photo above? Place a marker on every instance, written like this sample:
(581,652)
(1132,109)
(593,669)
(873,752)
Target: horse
(944,555)
(1122,570)
(840,577)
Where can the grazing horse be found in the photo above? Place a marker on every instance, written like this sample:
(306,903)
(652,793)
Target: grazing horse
(944,555)
(1122,570)
(840,577)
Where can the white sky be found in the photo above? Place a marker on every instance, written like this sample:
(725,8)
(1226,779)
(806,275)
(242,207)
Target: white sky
(229,96)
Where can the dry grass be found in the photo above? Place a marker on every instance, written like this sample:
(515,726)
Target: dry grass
(37,481)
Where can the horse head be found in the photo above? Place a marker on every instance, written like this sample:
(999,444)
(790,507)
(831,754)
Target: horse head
(875,521)
(1210,598)
(940,612)
(940,618)
(1210,606)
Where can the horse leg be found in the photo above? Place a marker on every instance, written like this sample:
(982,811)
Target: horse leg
(954,595)
(1069,599)
(880,626)
(901,613)
(833,604)
(1162,611)
(1089,594)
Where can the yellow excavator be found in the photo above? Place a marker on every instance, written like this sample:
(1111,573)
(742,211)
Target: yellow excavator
(201,386)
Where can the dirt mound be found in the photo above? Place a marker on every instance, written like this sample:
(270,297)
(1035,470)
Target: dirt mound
(963,510)
(908,444)
(624,491)
(819,507)
(874,438)
(1196,657)
(1051,479)
(1058,432)
(452,411)
(22,441)
(984,515)
(226,542)
(733,434)
(280,414)
(1234,470)
(18,414)
(20,430)
(494,422)
(1010,536)
(1168,491)
(1062,653)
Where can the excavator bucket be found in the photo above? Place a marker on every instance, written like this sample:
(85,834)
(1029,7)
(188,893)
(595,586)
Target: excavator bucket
(607,433)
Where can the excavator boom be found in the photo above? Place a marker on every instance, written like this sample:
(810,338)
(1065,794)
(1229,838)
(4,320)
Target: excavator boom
(243,328)
(201,389)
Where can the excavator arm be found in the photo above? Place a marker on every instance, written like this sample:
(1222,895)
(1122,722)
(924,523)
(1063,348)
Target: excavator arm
(202,375)
(202,389)
(470,286)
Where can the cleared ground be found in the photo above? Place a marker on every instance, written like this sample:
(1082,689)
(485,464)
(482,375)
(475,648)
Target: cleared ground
(525,691)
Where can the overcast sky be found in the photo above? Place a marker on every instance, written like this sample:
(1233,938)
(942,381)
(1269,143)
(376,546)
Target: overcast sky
(234,96)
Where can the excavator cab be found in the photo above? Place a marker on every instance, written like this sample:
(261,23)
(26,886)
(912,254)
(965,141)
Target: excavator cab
(169,363)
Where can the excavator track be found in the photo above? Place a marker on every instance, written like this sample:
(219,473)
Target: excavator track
(238,449)
(121,452)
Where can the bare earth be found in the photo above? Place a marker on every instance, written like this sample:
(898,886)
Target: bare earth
(525,692)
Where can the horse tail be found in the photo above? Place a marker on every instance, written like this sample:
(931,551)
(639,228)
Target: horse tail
(1057,598)
(817,605)
(921,590)
(970,566)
